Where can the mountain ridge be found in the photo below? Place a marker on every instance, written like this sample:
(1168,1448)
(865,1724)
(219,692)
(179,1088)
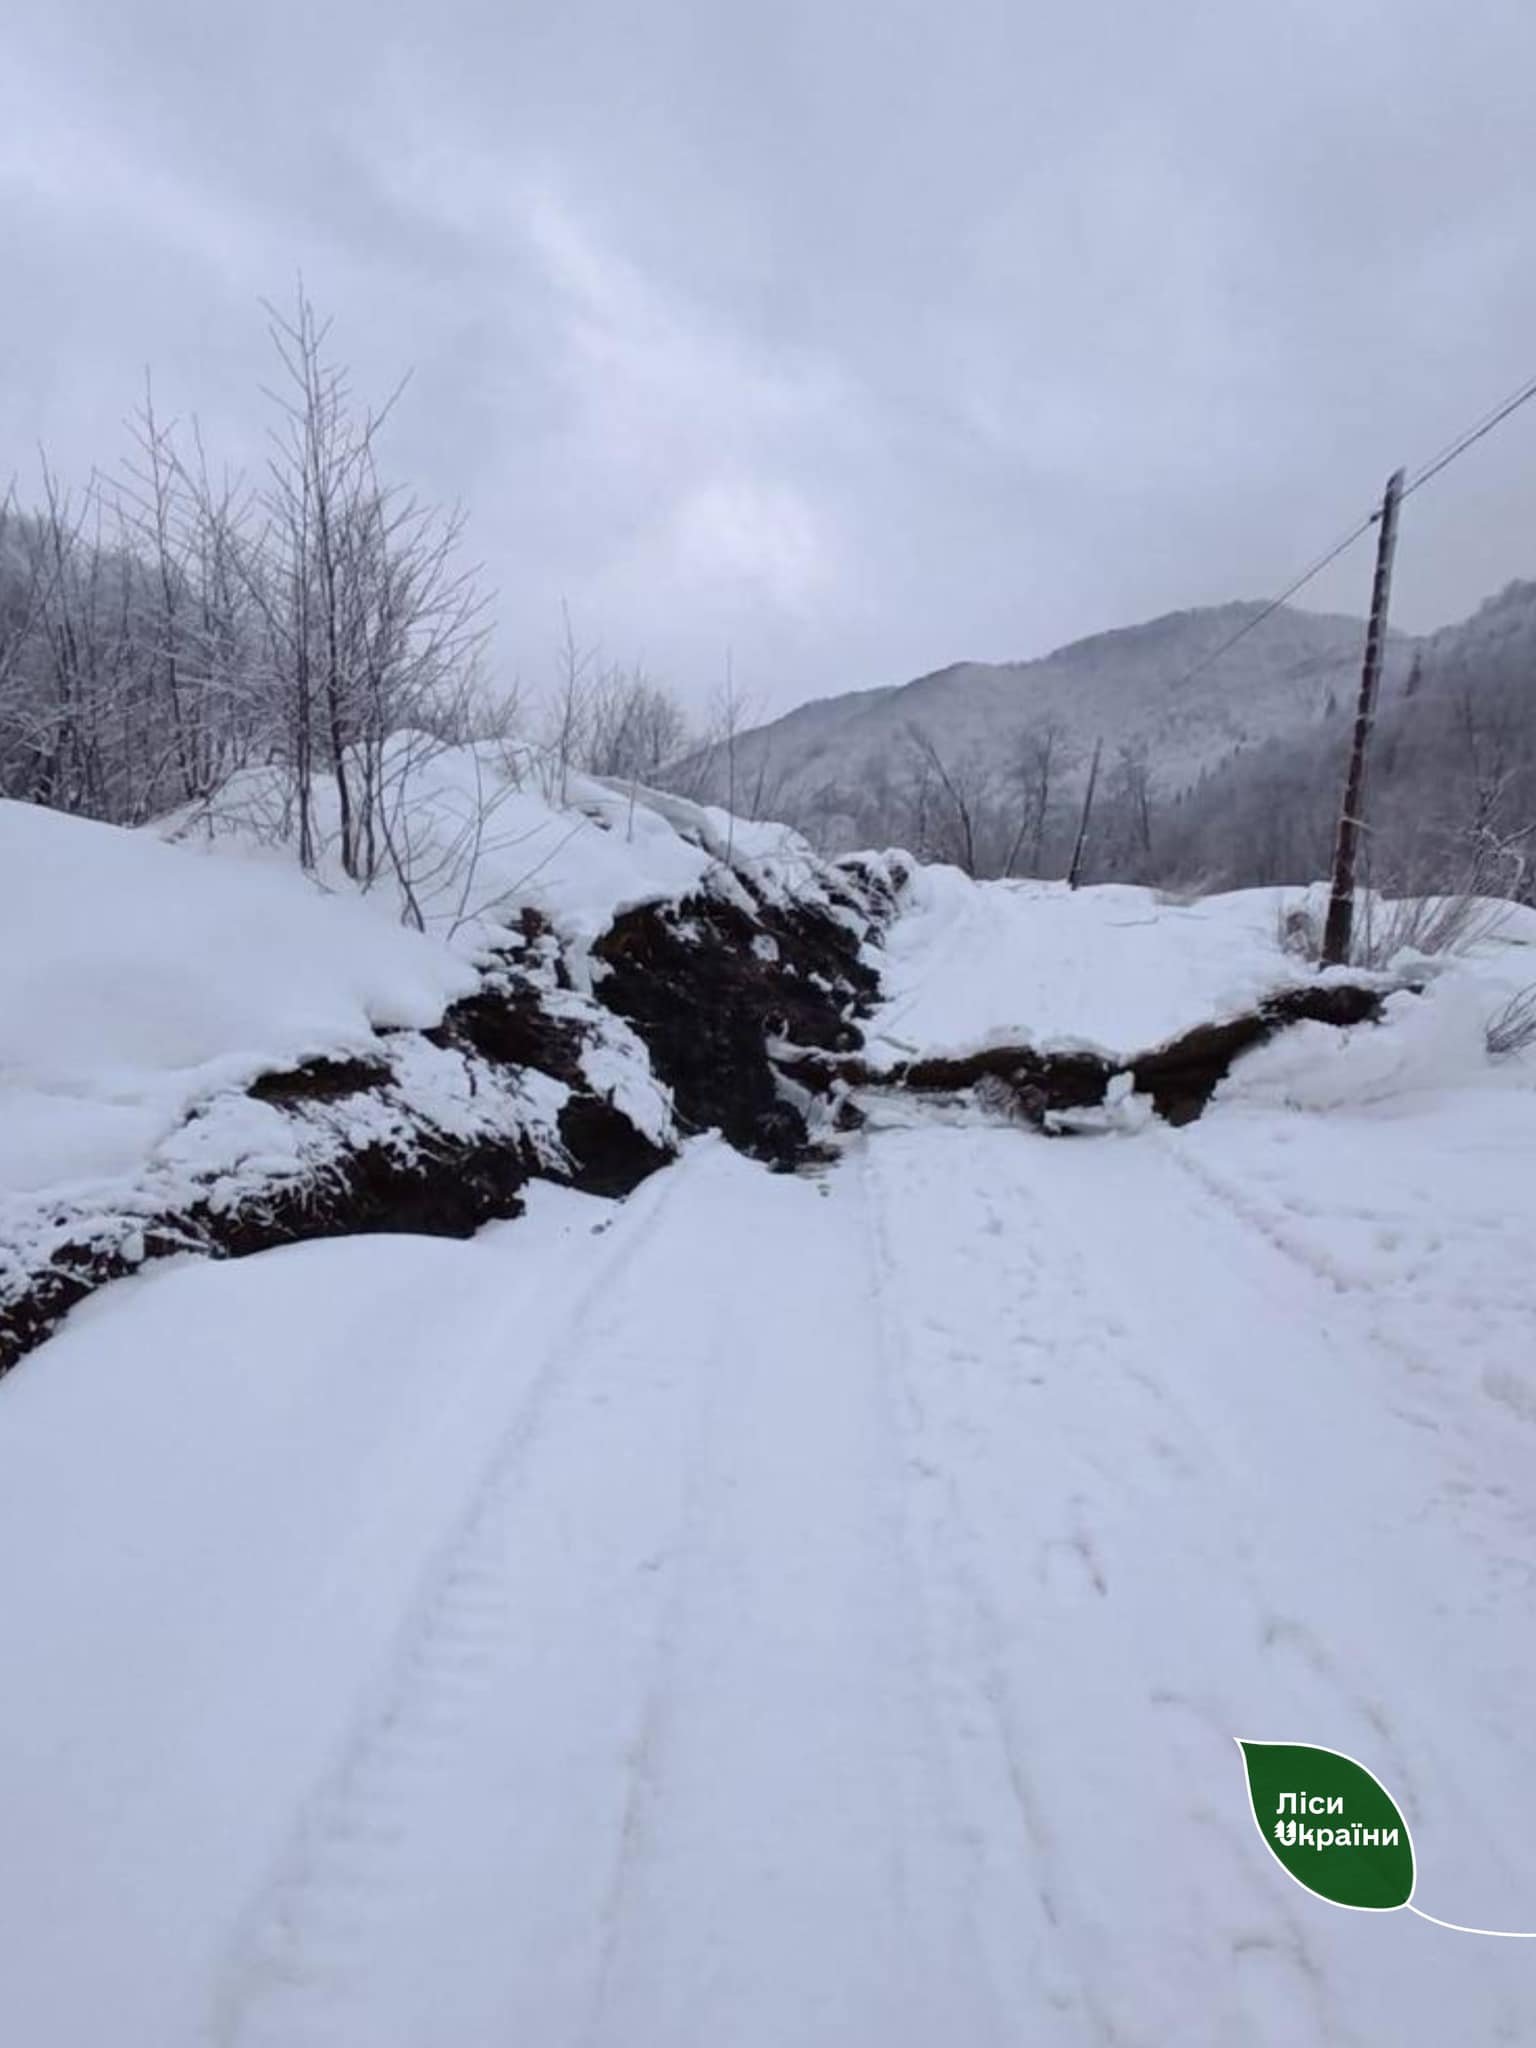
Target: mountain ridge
(1167,689)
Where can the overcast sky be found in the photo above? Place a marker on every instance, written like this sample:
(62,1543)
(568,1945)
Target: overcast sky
(857,338)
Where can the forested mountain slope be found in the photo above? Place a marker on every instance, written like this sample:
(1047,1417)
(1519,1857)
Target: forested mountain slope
(870,768)
(1452,787)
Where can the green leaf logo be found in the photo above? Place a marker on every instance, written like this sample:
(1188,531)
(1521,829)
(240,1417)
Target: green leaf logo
(1329,1823)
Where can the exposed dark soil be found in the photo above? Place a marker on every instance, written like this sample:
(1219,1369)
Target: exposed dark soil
(1180,1077)
(697,982)
(320,1080)
(701,985)
(506,1024)
(878,883)
(439,1184)
(608,1155)
(442,1188)
(744,1011)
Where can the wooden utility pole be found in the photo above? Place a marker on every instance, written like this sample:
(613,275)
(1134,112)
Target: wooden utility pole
(1082,828)
(1339,930)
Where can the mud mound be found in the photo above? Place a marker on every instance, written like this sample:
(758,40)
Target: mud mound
(717,992)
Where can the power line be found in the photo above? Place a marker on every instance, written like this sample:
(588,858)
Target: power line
(1473,434)
(1431,469)
(1323,561)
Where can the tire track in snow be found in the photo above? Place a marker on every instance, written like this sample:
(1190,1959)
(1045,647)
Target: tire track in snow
(1004,1479)
(905,1556)
(1493,1518)
(939,1681)
(982,1725)
(1281,1399)
(790,1873)
(765,1850)
(1499,1522)
(645,1758)
(299,1934)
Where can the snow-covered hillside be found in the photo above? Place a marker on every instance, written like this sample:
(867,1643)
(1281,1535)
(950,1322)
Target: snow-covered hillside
(1452,786)
(820,763)
(779,1608)
(202,1047)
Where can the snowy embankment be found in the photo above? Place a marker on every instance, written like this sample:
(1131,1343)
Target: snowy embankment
(1064,1001)
(201,1049)
(1112,970)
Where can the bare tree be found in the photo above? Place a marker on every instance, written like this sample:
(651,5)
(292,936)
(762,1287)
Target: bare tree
(81,657)
(163,629)
(320,503)
(961,788)
(634,727)
(1040,758)
(728,715)
(569,713)
(370,628)
(1074,870)
(1131,794)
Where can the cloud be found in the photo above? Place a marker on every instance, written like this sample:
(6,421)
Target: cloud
(762,536)
(855,338)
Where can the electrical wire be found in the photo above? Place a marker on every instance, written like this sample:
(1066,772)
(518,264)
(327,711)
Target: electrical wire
(1323,561)
(1472,435)
(1430,470)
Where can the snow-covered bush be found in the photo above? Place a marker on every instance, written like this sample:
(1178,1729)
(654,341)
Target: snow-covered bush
(1388,929)
(1512,1028)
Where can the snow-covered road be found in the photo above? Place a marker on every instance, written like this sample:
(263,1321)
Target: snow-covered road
(809,1611)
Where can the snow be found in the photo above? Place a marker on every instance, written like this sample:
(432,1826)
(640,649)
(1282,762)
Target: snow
(845,1647)
(140,979)
(1424,1040)
(487,831)
(251,1463)
(137,979)
(814,1608)
(144,986)
(578,851)
(148,977)
(1110,969)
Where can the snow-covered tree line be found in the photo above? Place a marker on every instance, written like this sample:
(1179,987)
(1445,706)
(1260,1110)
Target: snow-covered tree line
(1451,792)
(1011,810)
(1451,788)
(168,625)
